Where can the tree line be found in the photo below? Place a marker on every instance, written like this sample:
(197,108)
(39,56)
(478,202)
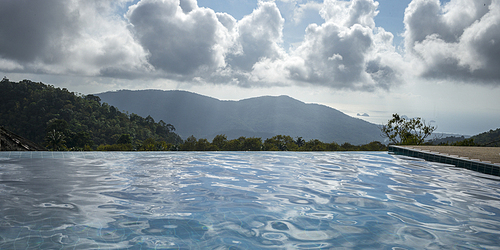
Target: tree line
(221,143)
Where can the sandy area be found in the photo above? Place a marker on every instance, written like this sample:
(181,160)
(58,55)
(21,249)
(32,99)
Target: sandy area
(491,154)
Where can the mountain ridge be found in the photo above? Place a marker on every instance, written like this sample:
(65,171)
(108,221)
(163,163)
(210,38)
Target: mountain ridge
(264,116)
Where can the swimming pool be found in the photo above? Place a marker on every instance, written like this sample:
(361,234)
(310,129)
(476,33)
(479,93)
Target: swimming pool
(243,200)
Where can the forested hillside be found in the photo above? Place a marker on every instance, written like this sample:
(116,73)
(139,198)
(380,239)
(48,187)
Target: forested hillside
(61,119)
(490,138)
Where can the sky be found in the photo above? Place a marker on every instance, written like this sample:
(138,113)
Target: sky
(438,60)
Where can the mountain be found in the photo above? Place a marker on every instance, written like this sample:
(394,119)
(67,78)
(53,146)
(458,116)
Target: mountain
(266,116)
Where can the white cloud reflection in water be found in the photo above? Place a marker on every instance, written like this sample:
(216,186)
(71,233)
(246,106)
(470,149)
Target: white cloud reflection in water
(245,200)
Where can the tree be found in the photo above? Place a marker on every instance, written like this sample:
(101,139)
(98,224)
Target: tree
(232,145)
(81,140)
(400,130)
(124,139)
(204,145)
(373,146)
(252,144)
(148,145)
(57,125)
(280,143)
(220,142)
(149,120)
(300,142)
(189,144)
(93,98)
(314,145)
(346,146)
(55,140)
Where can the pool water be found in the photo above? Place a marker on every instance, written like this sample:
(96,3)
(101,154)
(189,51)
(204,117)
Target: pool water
(244,200)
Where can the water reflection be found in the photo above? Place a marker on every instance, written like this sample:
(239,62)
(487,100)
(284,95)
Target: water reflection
(238,200)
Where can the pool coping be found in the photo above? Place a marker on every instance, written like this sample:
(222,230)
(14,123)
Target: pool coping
(461,162)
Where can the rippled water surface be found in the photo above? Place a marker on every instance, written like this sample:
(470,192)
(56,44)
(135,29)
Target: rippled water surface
(244,200)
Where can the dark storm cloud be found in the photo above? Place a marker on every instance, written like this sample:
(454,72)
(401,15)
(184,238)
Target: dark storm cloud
(66,37)
(32,30)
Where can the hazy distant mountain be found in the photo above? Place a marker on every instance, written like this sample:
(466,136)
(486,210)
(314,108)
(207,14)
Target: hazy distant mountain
(206,117)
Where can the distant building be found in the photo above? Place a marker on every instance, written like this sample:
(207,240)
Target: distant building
(12,142)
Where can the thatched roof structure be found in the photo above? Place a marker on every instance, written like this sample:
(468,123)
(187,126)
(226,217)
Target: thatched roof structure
(12,142)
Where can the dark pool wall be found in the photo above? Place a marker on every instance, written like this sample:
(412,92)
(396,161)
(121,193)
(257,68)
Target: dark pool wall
(478,166)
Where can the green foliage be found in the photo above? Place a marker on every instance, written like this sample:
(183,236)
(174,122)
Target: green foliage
(445,141)
(204,145)
(373,146)
(65,120)
(233,145)
(81,141)
(55,141)
(314,145)
(280,143)
(252,144)
(124,139)
(219,142)
(275,143)
(490,138)
(300,142)
(151,144)
(404,131)
(189,144)
(348,147)
(115,147)
(466,142)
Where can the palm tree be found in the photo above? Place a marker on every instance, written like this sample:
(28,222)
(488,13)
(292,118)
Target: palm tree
(55,140)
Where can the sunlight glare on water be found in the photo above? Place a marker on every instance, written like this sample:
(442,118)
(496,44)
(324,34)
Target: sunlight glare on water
(244,200)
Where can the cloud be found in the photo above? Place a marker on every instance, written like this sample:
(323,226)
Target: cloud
(259,36)
(177,39)
(66,37)
(302,9)
(347,51)
(181,38)
(458,40)
(9,65)
(29,32)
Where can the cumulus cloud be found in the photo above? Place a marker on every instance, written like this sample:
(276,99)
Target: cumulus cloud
(347,51)
(259,37)
(458,40)
(181,38)
(66,37)
(177,39)
(301,10)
